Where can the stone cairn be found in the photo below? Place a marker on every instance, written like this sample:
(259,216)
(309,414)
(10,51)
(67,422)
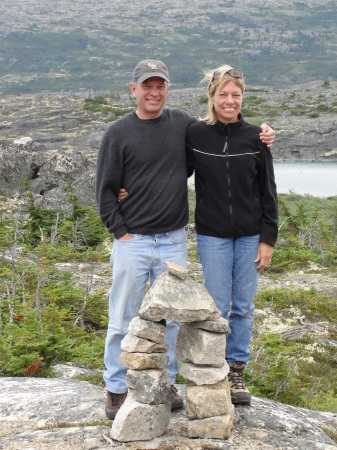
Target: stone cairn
(201,346)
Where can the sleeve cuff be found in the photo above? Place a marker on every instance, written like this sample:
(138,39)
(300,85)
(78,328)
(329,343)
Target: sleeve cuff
(120,232)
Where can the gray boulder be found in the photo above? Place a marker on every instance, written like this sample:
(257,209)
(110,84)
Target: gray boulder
(15,170)
(23,165)
(60,168)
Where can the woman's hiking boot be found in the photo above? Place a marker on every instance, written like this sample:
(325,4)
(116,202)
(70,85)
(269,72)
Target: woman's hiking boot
(239,393)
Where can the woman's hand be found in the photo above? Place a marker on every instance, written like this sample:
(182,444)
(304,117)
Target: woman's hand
(267,135)
(264,254)
(122,194)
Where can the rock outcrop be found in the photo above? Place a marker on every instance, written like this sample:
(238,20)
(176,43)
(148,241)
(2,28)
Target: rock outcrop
(49,178)
(55,413)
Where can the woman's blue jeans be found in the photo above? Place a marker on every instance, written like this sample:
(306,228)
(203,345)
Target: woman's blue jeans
(231,277)
(134,262)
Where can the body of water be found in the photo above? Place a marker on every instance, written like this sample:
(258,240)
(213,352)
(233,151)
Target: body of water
(318,179)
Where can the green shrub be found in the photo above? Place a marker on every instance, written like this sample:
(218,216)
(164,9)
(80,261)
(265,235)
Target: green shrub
(323,107)
(292,370)
(203,100)
(95,104)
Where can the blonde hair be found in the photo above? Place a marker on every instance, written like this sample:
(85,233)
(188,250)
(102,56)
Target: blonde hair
(215,83)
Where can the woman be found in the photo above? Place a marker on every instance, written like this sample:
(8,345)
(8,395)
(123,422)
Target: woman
(236,212)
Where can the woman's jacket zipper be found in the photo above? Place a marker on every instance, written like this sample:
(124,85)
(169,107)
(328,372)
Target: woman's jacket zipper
(225,151)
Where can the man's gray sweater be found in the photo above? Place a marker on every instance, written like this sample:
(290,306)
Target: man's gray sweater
(147,158)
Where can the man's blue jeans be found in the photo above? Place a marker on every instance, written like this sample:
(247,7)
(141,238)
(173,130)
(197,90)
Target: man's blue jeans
(134,262)
(231,277)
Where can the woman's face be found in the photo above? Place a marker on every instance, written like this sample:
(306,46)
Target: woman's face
(227,101)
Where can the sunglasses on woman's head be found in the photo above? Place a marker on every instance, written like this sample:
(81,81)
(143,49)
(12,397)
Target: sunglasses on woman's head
(234,73)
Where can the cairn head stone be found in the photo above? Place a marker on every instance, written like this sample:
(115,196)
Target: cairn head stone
(179,300)
(176,270)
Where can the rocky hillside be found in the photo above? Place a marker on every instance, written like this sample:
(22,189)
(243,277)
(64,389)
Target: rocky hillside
(50,45)
(51,140)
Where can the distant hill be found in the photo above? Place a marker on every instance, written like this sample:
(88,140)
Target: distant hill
(51,45)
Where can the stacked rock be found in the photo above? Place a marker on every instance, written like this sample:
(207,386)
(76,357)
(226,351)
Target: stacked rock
(146,411)
(201,345)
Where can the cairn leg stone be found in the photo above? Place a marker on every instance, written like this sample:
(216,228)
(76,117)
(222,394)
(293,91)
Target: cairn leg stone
(137,421)
(150,386)
(219,427)
(201,346)
(208,400)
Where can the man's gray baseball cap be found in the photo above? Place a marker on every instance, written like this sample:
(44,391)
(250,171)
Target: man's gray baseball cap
(150,68)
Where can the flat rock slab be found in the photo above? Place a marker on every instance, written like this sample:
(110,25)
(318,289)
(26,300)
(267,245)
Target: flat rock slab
(31,408)
(51,400)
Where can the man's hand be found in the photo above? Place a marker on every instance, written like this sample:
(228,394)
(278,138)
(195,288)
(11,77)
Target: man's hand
(264,254)
(126,237)
(267,135)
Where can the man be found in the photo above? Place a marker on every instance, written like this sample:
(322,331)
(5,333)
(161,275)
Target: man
(143,152)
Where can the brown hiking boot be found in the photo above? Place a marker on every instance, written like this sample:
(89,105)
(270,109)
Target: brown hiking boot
(113,403)
(239,393)
(177,402)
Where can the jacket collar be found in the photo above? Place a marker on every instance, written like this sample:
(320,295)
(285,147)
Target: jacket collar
(232,127)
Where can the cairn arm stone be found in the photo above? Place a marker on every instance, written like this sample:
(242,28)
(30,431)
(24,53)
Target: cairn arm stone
(179,300)
(220,325)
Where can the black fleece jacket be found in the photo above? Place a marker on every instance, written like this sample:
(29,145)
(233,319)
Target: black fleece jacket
(234,181)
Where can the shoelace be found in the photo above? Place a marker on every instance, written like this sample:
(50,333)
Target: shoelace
(236,379)
(114,398)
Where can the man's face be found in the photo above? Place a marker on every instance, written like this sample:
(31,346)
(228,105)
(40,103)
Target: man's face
(150,96)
